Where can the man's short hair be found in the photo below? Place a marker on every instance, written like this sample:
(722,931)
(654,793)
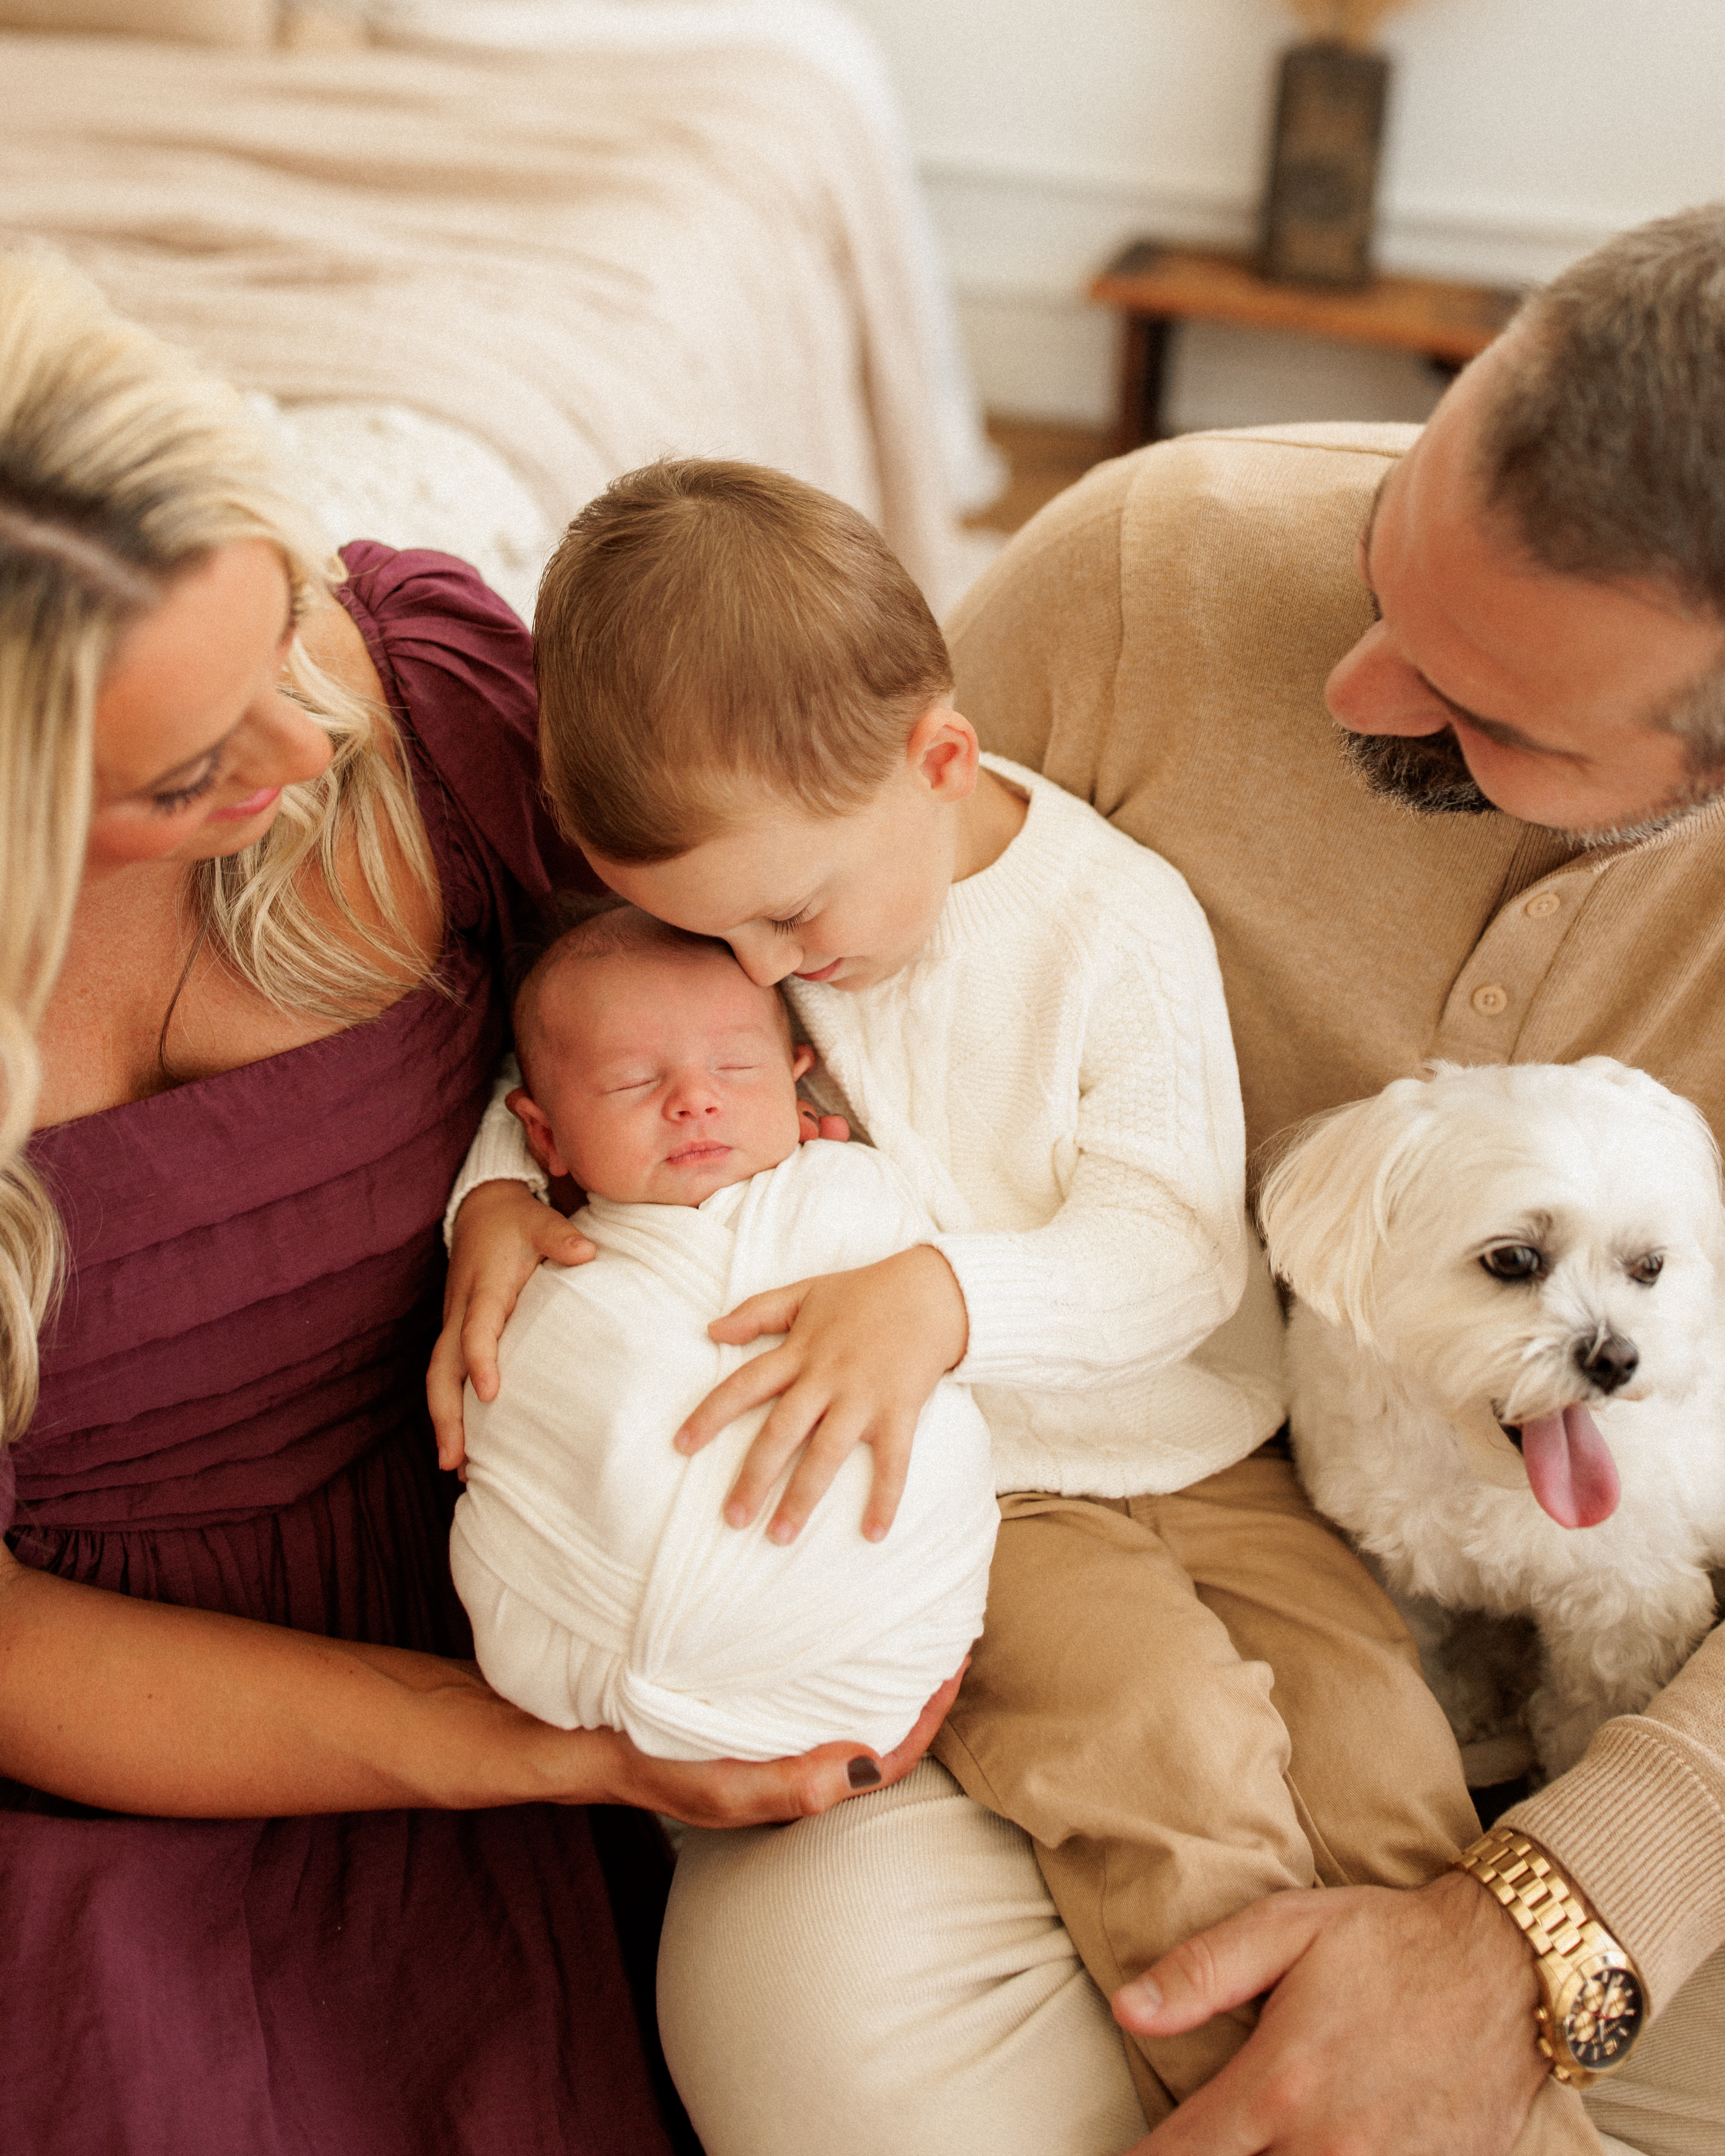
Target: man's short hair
(1605,442)
(705,627)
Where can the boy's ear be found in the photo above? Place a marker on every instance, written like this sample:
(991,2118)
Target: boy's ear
(945,752)
(541,1142)
(802,1060)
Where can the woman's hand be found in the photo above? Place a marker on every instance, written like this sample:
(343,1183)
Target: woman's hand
(863,1352)
(502,1235)
(1397,2021)
(145,1706)
(727,1793)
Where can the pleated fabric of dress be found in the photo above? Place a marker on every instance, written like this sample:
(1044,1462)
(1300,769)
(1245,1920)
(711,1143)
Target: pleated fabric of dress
(232,1417)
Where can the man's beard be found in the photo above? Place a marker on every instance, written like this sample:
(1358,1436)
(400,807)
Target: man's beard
(1428,774)
(1425,772)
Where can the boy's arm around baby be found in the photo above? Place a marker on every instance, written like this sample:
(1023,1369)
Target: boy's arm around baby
(1146,1252)
(1126,1102)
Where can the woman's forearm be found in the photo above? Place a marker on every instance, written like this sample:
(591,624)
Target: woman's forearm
(140,1706)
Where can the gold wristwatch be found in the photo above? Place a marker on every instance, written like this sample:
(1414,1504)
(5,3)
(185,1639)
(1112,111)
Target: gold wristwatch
(1592,2001)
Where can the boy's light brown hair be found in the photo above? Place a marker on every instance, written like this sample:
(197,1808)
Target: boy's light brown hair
(707,630)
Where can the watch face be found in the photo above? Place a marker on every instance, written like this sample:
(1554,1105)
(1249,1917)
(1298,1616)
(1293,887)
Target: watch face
(1603,2018)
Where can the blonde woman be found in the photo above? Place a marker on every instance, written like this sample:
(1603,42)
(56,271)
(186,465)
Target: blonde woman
(276,1874)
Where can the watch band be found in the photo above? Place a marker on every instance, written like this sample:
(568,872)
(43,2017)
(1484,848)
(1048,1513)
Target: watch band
(1592,2000)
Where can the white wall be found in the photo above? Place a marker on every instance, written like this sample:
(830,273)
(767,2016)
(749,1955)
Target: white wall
(1051,131)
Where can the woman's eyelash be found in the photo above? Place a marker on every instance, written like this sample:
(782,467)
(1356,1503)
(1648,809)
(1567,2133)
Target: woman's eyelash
(183,797)
(786,927)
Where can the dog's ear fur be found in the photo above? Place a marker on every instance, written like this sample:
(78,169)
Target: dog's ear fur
(1691,1135)
(1326,1205)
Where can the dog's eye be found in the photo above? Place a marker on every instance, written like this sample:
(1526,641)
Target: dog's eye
(1512,1262)
(1646,1269)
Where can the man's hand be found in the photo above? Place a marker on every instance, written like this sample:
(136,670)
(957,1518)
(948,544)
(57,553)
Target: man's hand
(1397,2022)
(502,1234)
(864,1351)
(727,1793)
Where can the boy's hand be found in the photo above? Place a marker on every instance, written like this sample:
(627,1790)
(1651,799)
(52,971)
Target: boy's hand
(502,1234)
(814,1125)
(865,1350)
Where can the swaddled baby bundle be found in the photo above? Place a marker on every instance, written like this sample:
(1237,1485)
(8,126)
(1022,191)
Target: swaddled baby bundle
(604,1587)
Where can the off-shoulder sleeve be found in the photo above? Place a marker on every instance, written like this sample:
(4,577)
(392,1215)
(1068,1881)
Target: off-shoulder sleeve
(457,665)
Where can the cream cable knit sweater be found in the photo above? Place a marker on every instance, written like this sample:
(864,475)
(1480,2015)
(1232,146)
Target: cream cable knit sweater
(1054,1075)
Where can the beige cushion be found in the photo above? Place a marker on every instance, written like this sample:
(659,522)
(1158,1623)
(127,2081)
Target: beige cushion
(307,26)
(247,24)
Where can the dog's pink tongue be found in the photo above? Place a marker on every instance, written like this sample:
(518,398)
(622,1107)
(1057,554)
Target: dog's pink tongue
(1570,1468)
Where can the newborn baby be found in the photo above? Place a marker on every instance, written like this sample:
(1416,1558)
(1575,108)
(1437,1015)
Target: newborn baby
(604,1587)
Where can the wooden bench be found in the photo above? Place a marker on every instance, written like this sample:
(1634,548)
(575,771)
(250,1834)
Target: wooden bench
(1154,287)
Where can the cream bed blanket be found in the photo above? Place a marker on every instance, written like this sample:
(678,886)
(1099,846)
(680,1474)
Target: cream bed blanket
(584,260)
(604,1587)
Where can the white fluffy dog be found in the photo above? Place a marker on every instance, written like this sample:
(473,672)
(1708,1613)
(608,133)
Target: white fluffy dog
(1508,1366)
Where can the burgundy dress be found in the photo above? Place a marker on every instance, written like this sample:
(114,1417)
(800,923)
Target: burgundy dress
(233,1416)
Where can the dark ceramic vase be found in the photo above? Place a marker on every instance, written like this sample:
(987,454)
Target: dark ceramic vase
(1323,165)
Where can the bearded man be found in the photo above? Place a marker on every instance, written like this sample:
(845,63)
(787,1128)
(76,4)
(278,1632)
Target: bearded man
(1541,681)
(1434,726)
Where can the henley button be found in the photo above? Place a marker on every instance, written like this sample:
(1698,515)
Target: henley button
(1542,906)
(1491,1001)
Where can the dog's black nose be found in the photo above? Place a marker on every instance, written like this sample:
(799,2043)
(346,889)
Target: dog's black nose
(1608,1360)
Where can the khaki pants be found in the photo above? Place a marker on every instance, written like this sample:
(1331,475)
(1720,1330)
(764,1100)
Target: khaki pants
(1188,1701)
(892,1977)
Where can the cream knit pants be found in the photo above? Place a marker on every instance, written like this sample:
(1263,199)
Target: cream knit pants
(893,1976)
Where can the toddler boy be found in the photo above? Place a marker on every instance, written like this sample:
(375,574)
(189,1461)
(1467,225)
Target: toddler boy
(605,1590)
(745,722)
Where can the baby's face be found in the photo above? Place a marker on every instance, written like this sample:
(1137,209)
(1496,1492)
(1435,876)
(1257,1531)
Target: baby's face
(665,1077)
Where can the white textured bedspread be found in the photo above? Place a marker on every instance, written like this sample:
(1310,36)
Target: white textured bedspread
(604,1587)
(584,259)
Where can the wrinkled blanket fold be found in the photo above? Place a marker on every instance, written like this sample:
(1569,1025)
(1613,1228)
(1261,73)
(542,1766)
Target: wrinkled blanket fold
(604,1587)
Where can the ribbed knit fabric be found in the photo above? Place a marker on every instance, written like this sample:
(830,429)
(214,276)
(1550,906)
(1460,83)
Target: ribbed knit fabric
(499,1152)
(1053,1073)
(1668,2100)
(1641,1822)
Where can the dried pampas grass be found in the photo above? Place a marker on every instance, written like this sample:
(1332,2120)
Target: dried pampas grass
(1343,21)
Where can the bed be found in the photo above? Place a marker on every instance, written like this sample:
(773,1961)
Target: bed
(474,258)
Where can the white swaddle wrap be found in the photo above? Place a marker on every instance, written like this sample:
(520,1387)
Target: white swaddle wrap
(604,1587)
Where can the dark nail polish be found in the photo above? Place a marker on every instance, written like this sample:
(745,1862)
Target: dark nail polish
(862,1774)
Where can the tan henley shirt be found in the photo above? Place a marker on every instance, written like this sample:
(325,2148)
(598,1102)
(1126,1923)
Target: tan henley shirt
(1157,642)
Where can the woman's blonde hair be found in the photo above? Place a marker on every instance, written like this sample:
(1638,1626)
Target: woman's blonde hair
(123,466)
